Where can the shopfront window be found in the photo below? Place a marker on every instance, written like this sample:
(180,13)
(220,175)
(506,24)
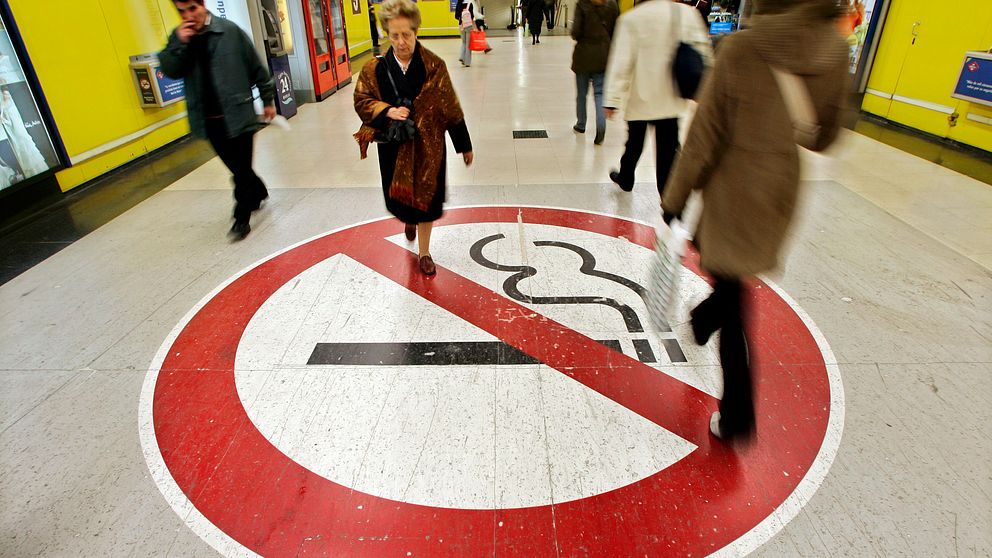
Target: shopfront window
(26,148)
(854,25)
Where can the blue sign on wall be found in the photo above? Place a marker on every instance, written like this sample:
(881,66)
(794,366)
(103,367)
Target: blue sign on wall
(975,81)
(171,89)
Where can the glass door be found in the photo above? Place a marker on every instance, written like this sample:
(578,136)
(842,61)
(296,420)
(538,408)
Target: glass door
(342,63)
(321,48)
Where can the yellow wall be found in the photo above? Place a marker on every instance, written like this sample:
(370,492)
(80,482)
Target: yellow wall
(357,25)
(80,50)
(926,70)
(437,19)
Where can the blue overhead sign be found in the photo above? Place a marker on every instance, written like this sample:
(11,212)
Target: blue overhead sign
(975,82)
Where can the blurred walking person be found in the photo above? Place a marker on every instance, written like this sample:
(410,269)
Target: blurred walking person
(410,86)
(639,80)
(741,154)
(535,17)
(219,66)
(592,30)
(465,14)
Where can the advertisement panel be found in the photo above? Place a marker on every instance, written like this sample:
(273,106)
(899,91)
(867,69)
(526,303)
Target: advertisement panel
(26,148)
(285,101)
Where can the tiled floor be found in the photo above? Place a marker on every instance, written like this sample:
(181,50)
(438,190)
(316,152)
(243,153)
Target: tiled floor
(156,397)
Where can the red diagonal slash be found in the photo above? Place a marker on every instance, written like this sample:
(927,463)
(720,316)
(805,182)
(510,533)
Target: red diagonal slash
(669,403)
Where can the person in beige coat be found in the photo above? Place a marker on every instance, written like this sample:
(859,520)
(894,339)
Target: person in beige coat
(639,80)
(741,155)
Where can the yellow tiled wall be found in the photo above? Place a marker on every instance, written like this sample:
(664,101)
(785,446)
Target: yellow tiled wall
(80,50)
(921,69)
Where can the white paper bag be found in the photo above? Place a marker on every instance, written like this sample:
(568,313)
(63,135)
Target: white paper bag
(666,269)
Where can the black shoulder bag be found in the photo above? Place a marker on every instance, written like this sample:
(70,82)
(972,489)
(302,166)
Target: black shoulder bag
(398,131)
(687,67)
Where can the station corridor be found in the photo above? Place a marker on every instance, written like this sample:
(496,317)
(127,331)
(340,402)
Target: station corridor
(307,392)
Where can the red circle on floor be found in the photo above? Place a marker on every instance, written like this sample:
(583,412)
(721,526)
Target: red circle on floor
(258,496)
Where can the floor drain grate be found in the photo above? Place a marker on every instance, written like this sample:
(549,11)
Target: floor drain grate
(529,134)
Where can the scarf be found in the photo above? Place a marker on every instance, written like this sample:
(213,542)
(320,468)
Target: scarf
(435,110)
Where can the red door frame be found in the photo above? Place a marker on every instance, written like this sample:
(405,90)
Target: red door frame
(342,61)
(331,70)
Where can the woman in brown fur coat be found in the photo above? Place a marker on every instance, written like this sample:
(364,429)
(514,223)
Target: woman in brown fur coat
(411,83)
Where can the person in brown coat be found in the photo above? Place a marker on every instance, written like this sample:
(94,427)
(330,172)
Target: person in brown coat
(410,84)
(741,155)
(592,29)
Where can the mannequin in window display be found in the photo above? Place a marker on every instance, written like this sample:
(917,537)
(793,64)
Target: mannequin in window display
(28,156)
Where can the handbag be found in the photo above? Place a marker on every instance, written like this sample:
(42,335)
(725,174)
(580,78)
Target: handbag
(398,131)
(799,105)
(665,273)
(687,66)
(477,41)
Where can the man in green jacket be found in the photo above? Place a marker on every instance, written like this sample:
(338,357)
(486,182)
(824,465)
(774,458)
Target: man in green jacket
(219,66)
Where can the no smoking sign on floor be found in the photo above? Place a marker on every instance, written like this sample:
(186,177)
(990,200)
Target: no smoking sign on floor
(333,401)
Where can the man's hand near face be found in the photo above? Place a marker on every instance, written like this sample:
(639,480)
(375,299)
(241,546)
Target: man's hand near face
(186,31)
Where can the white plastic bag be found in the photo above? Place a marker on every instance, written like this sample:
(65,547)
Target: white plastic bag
(666,269)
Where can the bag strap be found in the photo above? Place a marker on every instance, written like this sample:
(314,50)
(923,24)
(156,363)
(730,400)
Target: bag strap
(799,104)
(390,75)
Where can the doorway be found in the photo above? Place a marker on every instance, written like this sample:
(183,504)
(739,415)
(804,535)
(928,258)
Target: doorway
(328,43)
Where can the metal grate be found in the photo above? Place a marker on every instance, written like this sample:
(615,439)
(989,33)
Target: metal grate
(530,134)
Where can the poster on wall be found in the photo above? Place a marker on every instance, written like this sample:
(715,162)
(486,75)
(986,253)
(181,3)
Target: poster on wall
(26,149)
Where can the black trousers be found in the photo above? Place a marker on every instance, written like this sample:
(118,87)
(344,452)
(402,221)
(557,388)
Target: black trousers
(236,153)
(726,310)
(666,142)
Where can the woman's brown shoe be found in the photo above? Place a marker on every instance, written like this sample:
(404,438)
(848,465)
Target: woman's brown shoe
(411,232)
(427,266)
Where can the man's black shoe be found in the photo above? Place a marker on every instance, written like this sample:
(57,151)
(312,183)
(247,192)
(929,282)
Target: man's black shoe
(615,177)
(240,230)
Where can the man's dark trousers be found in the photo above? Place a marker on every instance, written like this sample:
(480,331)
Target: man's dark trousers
(666,143)
(236,153)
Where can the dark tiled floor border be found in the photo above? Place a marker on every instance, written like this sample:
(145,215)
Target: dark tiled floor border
(33,235)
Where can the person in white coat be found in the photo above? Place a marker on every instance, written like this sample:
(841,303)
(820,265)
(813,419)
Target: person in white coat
(639,80)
